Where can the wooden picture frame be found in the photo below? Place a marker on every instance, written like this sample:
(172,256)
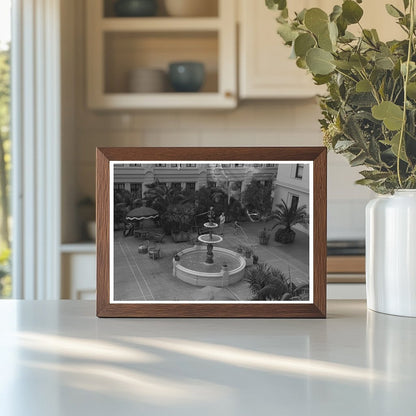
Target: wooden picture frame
(113,160)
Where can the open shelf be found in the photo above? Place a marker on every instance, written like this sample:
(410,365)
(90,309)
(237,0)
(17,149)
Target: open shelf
(119,45)
(127,51)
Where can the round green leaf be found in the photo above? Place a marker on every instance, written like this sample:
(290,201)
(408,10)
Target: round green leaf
(301,63)
(391,114)
(336,12)
(384,62)
(303,43)
(324,41)
(344,65)
(319,61)
(351,11)
(363,86)
(316,20)
(411,90)
(287,33)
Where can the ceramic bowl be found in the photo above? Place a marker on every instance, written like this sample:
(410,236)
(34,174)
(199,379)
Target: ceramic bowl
(186,76)
(135,8)
(147,80)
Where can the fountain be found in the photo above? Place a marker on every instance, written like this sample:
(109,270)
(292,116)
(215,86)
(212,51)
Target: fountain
(210,239)
(214,267)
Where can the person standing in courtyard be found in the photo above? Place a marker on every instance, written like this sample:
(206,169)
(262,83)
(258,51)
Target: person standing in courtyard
(222,222)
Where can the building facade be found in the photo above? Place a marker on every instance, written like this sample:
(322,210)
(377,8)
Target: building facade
(290,182)
(292,186)
(233,178)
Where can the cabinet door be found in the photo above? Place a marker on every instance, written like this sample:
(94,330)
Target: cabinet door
(265,68)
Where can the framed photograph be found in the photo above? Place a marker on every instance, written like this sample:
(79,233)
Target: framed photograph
(211,232)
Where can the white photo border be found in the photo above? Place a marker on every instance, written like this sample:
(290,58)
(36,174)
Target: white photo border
(310,163)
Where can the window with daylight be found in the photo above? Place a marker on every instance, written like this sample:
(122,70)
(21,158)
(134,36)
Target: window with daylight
(299,171)
(5,148)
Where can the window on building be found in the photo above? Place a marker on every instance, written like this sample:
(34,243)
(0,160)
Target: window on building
(236,186)
(136,188)
(190,186)
(239,165)
(176,185)
(294,202)
(174,165)
(269,165)
(211,184)
(258,165)
(226,165)
(119,186)
(160,165)
(135,165)
(299,171)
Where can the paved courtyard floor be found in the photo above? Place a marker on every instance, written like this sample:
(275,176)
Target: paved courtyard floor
(139,278)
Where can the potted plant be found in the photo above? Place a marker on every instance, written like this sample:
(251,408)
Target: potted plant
(286,218)
(369,115)
(264,237)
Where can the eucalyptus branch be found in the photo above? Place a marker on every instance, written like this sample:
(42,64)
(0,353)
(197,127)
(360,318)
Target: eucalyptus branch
(346,75)
(406,80)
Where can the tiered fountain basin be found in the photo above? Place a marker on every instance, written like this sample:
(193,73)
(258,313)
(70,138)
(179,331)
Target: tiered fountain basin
(193,269)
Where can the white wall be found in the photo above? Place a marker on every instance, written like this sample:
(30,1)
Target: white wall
(255,123)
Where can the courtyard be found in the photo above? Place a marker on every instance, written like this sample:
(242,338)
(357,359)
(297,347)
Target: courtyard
(137,277)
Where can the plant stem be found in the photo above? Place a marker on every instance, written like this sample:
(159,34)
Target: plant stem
(406,80)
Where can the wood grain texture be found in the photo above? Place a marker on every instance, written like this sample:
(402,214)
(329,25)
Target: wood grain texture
(317,309)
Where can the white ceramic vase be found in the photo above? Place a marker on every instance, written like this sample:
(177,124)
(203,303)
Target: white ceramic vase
(391,253)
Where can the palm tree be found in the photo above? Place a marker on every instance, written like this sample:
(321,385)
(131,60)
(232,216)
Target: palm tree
(267,283)
(286,218)
(160,196)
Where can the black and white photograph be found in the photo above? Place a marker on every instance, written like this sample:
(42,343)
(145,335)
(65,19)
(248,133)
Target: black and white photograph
(211,232)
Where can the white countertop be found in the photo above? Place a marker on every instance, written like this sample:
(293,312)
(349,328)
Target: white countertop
(57,358)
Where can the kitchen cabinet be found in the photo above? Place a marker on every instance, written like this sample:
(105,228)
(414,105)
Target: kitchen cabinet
(118,45)
(265,70)
(78,263)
